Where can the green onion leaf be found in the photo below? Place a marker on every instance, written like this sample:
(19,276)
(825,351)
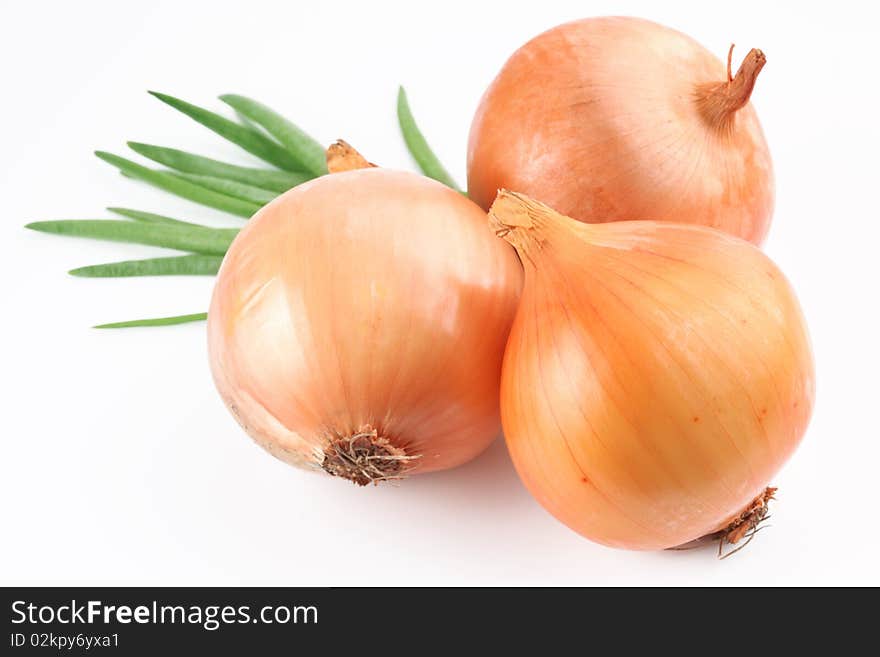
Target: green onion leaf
(276,181)
(230,188)
(418,145)
(188,265)
(247,138)
(151,218)
(245,121)
(170,183)
(209,241)
(158,321)
(309,154)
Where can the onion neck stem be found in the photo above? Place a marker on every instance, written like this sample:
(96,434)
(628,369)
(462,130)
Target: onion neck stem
(342,156)
(718,102)
(523,222)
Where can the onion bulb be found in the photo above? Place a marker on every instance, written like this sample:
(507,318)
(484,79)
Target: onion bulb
(358,324)
(656,377)
(610,119)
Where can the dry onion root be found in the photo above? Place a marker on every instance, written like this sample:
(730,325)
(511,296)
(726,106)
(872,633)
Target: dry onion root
(611,119)
(656,377)
(358,324)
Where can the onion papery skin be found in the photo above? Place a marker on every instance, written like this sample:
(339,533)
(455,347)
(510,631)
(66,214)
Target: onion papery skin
(365,301)
(656,378)
(605,119)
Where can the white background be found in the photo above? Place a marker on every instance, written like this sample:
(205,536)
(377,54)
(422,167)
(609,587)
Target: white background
(119,463)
